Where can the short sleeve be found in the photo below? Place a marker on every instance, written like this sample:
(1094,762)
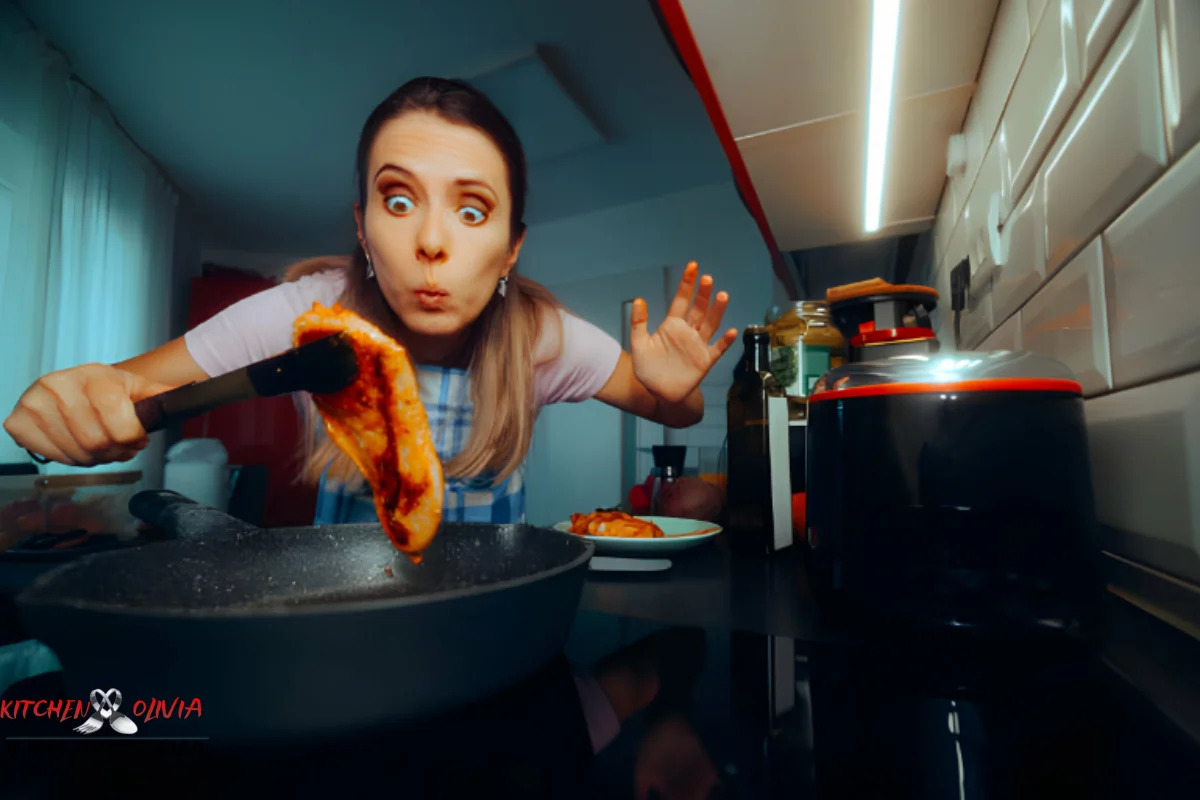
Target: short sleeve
(586,360)
(259,326)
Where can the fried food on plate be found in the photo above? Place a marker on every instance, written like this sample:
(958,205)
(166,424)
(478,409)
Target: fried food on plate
(380,423)
(614,523)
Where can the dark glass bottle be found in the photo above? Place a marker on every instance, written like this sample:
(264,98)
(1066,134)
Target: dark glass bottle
(748,488)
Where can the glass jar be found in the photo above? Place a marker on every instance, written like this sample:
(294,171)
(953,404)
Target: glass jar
(824,345)
(805,344)
(787,335)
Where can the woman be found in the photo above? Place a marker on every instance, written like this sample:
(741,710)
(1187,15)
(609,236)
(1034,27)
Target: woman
(441,182)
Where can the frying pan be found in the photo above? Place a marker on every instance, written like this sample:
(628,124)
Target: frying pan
(300,633)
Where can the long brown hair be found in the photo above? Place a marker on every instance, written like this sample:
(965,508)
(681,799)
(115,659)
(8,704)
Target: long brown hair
(501,340)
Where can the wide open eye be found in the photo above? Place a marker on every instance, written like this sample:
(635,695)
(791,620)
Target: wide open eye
(399,203)
(472,215)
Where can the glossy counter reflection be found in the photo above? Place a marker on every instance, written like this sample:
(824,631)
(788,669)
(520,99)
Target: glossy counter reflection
(697,712)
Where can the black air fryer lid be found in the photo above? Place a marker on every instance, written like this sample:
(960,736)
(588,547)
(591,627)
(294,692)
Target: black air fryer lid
(933,373)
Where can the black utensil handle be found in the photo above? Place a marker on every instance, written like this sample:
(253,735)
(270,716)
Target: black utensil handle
(193,399)
(151,412)
(181,517)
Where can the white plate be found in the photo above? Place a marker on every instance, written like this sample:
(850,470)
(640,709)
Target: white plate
(612,564)
(679,534)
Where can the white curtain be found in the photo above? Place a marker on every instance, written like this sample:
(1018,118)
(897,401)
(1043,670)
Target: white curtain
(86,229)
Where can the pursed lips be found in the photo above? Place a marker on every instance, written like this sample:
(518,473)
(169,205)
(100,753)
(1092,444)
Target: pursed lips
(431,298)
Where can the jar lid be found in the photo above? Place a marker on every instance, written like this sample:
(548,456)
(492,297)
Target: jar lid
(923,373)
(819,307)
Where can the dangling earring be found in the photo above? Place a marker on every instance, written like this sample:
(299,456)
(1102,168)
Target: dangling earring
(370,269)
(502,288)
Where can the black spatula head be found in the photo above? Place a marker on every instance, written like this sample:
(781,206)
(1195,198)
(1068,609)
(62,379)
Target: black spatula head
(322,366)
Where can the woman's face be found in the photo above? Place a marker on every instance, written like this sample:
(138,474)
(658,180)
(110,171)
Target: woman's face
(437,221)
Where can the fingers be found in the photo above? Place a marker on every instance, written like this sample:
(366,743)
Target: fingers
(637,329)
(125,425)
(81,417)
(700,307)
(718,348)
(712,318)
(113,405)
(683,297)
(89,437)
(25,432)
(41,420)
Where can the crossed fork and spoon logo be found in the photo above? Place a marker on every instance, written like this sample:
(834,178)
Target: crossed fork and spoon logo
(106,705)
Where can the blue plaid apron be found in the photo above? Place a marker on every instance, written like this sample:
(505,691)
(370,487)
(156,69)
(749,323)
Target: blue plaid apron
(446,395)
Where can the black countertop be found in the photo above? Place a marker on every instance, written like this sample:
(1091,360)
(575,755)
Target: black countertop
(730,686)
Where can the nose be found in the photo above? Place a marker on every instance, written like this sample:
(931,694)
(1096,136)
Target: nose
(431,240)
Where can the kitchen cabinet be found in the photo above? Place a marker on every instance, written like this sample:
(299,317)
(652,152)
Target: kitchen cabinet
(1145,453)
(1067,320)
(757,69)
(807,155)
(1024,246)
(1113,145)
(1179,34)
(1154,278)
(1042,96)
(785,85)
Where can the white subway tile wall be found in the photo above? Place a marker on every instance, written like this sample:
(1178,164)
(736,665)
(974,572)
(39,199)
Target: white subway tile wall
(1154,277)
(1066,320)
(1096,24)
(988,186)
(1024,245)
(1036,9)
(1145,446)
(1113,145)
(1099,262)
(1006,337)
(976,322)
(1005,51)
(1044,93)
(1179,30)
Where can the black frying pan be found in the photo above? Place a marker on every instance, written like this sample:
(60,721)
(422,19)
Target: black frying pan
(303,632)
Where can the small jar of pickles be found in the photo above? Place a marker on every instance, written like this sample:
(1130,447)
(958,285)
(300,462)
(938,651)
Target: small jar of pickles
(805,344)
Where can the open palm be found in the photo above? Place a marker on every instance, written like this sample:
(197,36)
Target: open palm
(673,360)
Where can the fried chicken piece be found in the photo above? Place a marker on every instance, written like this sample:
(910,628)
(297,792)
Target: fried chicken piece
(380,423)
(614,523)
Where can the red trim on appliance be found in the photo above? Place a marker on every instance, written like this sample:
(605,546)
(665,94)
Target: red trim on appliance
(892,336)
(957,387)
(689,51)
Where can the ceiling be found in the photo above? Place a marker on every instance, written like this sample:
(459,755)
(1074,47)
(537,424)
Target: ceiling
(253,107)
(792,80)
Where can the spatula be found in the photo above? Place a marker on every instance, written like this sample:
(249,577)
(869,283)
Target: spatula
(323,366)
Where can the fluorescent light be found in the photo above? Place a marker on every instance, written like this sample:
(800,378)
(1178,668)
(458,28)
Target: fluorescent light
(885,29)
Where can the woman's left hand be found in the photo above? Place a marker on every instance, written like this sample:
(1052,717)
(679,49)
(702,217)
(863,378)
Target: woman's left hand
(673,361)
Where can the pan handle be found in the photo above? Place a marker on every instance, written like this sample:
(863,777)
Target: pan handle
(179,517)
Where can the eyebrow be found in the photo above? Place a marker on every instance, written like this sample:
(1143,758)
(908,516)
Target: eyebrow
(392,168)
(477,183)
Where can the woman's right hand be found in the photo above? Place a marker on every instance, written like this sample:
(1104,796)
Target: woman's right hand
(82,416)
